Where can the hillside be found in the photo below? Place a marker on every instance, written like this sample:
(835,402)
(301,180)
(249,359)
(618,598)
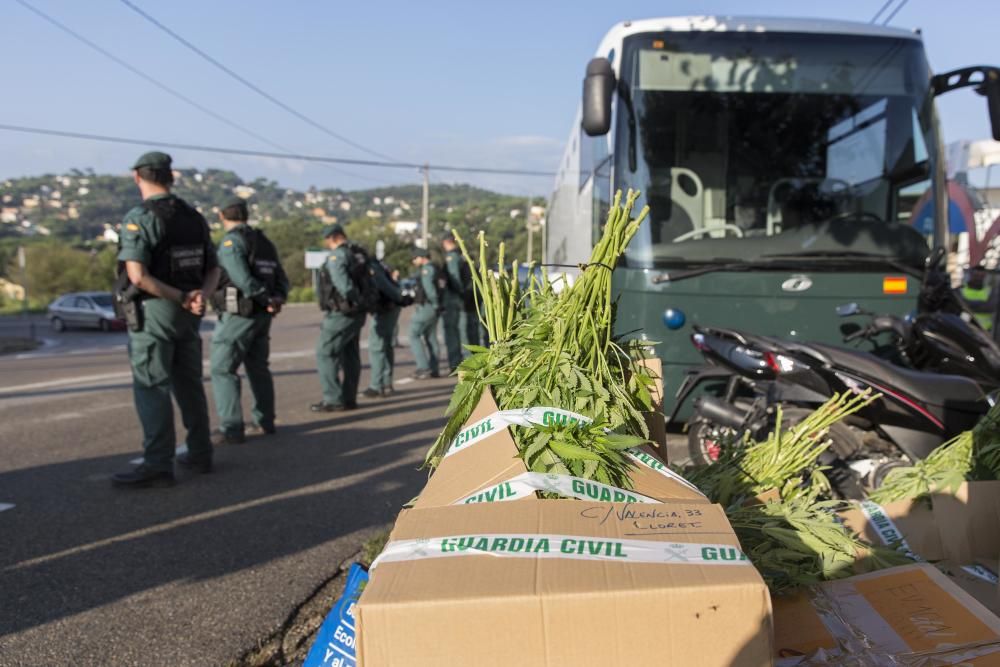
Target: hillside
(80,212)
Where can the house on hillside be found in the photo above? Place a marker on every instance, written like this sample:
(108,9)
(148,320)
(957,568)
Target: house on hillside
(11,291)
(405,227)
(373,214)
(110,234)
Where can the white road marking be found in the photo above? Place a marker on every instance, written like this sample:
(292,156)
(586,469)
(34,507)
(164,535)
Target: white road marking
(404,381)
(7,506)
(181,449)
(65,382)
(303,491)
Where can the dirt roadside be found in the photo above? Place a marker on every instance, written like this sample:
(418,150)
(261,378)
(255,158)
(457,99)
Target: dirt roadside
(290,643)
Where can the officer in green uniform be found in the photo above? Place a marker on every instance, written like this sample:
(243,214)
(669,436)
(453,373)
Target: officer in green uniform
(979,297)
(339,345)
(170,263)
(252,288)
(381,354)
(454,317)
(423,326)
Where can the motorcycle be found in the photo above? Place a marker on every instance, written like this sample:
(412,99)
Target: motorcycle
(917,409)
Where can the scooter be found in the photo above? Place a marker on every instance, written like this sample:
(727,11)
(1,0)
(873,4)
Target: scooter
(916,410)
(943,337)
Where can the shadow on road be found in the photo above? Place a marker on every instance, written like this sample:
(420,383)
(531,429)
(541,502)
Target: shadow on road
(273,497)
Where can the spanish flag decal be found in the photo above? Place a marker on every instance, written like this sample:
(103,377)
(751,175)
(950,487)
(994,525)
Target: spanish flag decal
(894,285)
(227,243)
(132,227)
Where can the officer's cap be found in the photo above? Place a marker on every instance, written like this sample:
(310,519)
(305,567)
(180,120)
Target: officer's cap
(331,230)
(153,160)
(421,252)
(448,237)
(237,206)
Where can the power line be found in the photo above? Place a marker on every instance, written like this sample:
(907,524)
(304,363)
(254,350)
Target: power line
(286,156)
(894,12)
(162,86)
(301,116)
(879,12)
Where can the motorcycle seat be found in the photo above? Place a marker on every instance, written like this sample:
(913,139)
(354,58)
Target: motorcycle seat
(930,388)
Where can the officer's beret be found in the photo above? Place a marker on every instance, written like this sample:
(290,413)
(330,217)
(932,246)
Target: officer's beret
(335,228)
(235,201)
(421,252)
(153,160)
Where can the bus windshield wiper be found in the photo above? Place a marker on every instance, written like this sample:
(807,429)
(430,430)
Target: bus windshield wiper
(849,256)
(701,267)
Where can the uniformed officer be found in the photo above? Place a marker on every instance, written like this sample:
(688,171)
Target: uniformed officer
(381,354)
(339,346)
(423,326)
(252,289)
(455,317)
(168,256)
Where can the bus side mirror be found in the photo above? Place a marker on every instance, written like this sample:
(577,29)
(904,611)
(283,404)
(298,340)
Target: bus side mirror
(991,89)
(598,88)
(987,82)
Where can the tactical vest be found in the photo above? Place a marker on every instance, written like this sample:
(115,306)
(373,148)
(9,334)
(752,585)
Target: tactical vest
(360,270)
(179,260)
(262,258)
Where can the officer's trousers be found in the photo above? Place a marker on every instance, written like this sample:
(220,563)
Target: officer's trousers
(339,347)
(381,354)
(166,359)
(454,331)
(423,338)
(242,341)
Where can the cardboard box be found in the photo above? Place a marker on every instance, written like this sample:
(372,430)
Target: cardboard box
(959,532)
(909,615)
(587,595)
(491,461)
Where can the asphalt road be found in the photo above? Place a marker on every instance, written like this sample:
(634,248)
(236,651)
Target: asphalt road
(194,574)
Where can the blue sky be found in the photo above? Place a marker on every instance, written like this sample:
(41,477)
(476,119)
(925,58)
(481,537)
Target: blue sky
(470,83)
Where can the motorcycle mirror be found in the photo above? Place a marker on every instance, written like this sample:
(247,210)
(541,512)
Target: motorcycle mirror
(934,258)
(848,309)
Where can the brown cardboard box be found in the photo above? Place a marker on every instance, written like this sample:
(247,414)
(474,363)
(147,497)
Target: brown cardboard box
(909,615)
(494,606)
(494,460)
(958,531)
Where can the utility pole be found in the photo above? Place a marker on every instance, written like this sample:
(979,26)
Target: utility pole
(22,263)
(425,215)
(531,230)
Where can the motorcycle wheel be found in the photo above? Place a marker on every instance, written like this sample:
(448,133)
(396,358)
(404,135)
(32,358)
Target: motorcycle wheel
(707,440)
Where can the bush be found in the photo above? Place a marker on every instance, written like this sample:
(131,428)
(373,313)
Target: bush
(301,295)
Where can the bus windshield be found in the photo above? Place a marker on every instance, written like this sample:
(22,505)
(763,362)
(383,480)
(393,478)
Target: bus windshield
(747,145)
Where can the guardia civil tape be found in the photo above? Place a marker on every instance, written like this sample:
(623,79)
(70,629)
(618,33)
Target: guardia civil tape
(886,529)
(335,640)
(891,536)
(567,486)
(652,463)
(527,417)
(572,547)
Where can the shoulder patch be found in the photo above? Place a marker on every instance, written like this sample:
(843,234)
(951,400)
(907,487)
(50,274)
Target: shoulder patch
(227,243)
(333,258)
(132,227)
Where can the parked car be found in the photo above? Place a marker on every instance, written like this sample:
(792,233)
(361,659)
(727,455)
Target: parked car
(84,309)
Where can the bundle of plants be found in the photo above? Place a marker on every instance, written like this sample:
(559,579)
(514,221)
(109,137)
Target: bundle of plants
(786,462)
(556,348)
(800,542)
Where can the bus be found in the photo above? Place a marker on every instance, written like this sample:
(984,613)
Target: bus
(781,160)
